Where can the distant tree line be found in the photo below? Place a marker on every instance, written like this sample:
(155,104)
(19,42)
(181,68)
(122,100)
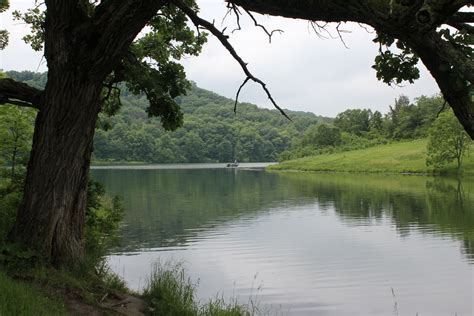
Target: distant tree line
(212,132)
(362,128)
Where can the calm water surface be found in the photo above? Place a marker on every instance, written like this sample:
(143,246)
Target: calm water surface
(303,243)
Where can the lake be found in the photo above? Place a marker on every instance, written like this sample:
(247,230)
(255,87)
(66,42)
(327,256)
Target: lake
(301,243)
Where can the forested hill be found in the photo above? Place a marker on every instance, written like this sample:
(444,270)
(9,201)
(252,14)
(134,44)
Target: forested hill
(211,131)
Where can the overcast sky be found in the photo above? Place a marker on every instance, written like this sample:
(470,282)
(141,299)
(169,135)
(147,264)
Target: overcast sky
(302,71)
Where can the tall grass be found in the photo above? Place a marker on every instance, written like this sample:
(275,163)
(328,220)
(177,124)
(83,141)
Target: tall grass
(171,292)
(17,298)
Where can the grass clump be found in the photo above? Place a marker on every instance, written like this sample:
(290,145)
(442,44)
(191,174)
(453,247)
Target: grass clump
(219,307)
(17,298)
(171,292)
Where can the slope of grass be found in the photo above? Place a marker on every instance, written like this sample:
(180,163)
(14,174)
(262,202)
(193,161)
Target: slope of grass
(403,157)
(17,298)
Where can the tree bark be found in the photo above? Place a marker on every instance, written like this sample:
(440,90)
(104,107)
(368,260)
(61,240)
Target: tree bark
(51,217)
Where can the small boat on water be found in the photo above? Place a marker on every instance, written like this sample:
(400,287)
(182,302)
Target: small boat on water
(235,164)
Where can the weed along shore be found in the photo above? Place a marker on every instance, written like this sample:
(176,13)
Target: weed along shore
(169,291)
(407,157)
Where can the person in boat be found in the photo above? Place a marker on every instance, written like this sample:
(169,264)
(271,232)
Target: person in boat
(234,164)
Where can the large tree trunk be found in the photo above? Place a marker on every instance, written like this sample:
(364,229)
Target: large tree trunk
(51,217)
(81,50)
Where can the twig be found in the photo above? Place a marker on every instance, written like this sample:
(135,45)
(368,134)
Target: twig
(340,36)
(442,108)
(233,8)
(365,28)
(122,303)
(238,93)
(270,34)
(103,297)
(319,30)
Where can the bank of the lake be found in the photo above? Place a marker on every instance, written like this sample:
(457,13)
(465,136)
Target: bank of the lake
(401,157)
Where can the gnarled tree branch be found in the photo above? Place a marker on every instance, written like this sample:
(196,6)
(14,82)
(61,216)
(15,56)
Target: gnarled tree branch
(225,42)
(463,26)
(18,93)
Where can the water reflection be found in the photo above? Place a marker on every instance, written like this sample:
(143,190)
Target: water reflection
(319,244)
(167,208)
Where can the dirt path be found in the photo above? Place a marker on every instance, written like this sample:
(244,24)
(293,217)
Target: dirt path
(119,305)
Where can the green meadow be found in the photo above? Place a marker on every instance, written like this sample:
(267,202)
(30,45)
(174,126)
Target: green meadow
(402,157)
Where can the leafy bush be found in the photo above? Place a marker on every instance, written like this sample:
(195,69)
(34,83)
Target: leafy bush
(103,218)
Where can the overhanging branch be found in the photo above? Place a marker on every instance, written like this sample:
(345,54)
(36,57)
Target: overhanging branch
(461,17)
(225,42)
(18,93)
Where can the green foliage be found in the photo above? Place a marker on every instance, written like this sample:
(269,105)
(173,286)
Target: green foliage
(395,68)
(35,18)
(448,141)
(103,218)
(17,298)
(355,121)
(9,203)
(16,131)
(35,79)
(4,4)
(408,121)
(322,135)
(211,132)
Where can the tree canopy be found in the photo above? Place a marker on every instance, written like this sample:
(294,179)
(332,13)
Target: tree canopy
(447,141)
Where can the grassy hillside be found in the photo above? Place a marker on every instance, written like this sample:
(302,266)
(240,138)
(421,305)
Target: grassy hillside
(212,132)
(403,157)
